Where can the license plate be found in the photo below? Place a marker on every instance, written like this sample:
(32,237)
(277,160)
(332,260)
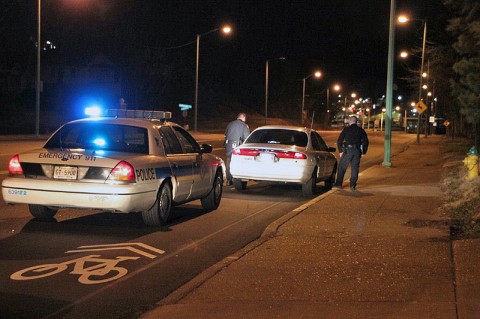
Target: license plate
(65,172)
(266,157)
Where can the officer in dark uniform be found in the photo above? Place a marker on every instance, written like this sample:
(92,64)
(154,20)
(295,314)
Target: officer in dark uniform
(235,133)
(352,144)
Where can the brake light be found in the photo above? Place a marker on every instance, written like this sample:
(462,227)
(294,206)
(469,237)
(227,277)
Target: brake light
(289,154)
(245,152)
(14,166)
(123,172)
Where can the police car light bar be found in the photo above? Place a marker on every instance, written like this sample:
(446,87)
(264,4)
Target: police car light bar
(144,114)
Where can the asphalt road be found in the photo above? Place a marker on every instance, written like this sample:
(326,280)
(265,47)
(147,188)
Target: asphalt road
(107,265)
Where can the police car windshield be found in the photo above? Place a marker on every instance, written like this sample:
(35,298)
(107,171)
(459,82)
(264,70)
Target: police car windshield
(99,136)
(278,136)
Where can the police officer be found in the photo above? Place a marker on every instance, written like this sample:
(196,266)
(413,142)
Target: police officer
(352,144)
(235,133)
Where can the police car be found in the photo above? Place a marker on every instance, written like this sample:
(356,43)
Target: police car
(125,161)
(284,154)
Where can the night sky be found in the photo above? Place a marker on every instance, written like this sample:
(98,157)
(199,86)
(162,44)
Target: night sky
(346,39)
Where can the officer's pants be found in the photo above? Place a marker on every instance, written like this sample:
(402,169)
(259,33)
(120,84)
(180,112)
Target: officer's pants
(351,156)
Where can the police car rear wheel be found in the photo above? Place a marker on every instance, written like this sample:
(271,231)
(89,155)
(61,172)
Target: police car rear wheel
(42,212)
(212,200)
(160,212)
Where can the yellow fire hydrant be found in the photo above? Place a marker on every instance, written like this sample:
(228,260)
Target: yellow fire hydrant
(471,162)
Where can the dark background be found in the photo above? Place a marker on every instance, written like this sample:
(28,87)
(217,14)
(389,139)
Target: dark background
(145,42)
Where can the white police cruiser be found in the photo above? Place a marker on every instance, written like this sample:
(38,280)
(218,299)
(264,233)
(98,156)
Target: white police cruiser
(125,161)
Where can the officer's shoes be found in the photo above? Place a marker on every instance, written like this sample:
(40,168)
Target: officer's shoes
(337,187)
(352,188)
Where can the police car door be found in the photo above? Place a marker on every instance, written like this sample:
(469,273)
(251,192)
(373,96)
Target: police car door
(181,164)
(201,177)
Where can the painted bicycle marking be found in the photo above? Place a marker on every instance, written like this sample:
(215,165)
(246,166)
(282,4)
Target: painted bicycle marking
(92,269)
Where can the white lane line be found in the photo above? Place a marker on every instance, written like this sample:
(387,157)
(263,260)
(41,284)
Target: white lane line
(172,254)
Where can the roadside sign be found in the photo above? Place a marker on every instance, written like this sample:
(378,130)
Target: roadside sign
(184,107)
(420,107)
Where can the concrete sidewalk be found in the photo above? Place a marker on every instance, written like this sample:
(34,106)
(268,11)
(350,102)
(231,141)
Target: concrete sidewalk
(383,251)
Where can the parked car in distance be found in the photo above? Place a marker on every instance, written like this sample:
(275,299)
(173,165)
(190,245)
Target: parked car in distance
(284,154)
(126,161)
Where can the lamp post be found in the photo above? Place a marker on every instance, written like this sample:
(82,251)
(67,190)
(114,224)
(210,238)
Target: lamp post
(226,30)
(38,84)
(389,94)
(421,76)
(404,19)
(266,86)
(336,88)
(317,74)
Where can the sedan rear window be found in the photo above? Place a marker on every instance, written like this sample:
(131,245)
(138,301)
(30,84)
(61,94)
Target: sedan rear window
(109,137)
(278,136)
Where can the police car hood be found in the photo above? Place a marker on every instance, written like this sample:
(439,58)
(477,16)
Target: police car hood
(76,157)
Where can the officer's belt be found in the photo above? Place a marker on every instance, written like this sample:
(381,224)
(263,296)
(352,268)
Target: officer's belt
(352,145)
(233,142)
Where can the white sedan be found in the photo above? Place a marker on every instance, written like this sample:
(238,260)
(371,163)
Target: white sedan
(127,161)
(285,154)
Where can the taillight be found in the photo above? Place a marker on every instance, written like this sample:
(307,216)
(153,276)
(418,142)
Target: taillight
(245,152)
(289,154)
(14,166)
(123,172)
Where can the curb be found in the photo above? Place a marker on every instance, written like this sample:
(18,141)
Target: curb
(268,233)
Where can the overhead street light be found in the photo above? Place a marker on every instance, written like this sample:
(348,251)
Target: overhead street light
(317,74)
(266,85)
(226,30)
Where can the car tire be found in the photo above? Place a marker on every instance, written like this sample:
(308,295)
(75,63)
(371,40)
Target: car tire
(42,212)
(309,187)
(212,200)
(331,180)
(239,184)
(161,210)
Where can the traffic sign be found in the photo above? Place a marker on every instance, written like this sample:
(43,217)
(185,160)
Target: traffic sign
(420,107)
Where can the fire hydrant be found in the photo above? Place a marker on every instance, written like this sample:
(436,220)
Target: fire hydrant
(471,162)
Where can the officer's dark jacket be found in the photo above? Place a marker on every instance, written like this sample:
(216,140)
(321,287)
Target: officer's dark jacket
(236,132)
(353,135)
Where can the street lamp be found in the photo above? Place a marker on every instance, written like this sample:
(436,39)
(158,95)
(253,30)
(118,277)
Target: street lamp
(38,84)
(317,74)
(404,19)
(266,85)
(225,30)
(389,94)
(336,88)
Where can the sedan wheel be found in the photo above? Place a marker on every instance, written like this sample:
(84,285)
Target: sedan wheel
(161,210)
(239,184)
(309,187)
(212,200)
(42,212)
(331,180)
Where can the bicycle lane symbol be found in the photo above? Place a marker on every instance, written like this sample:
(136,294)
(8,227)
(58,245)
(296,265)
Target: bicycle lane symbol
(92,269)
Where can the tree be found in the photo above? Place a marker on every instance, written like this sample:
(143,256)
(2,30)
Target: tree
(465,28)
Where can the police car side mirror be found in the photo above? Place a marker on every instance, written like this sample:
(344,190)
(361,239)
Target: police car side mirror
(332,149)
(206,148)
